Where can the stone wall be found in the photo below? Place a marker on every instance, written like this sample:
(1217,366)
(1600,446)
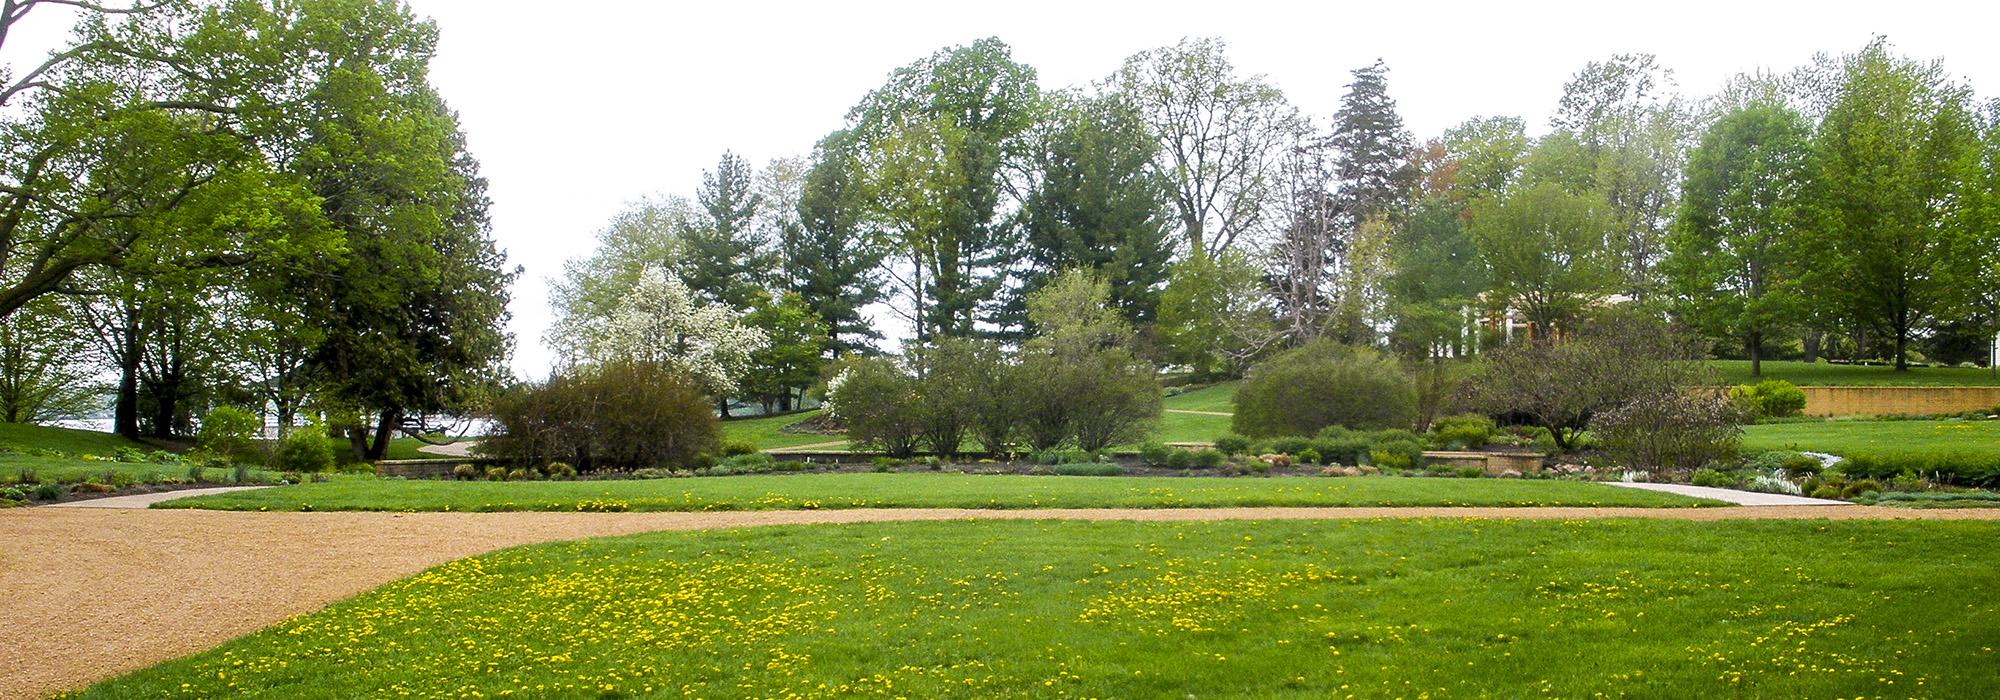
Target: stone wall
(1898,400)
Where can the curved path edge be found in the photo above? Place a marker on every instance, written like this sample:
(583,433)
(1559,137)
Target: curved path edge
(94,593)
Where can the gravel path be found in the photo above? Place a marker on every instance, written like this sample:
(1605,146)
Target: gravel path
(461,448)
(92,593)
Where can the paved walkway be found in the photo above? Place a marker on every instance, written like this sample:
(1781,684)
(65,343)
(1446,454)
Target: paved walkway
(462,448)
(1196,413)
(146,500)
(93,593)
(1741,498)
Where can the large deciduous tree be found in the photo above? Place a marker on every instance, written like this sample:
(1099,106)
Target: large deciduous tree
(1221,136)
(1731,259)
(1631,128)
(1891,157)
(1545,252)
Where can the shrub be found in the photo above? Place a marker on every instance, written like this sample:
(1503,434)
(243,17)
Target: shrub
(1094,400)
(1089,469)
(1210,458)
(49,492)
(1349,449)
(1154,454)
(1055,457)
(1396,454)
(306,450)
(1469,431)
(464,472)
(884,464)
(496,473)
(1181,459)
(1324,383)
(1954,469)
(1793,464)
(951,380)
(1670,430)
(1469,472)
(1613,361)
(1291,445)
(619,415)
(1309,456)
(732,448)
(231,432)
(559,470)
(1714,479)
(1771,398)
(1826,492)
(1233,444)
(878,402)
(129,455)
(1860,487)
(520,474)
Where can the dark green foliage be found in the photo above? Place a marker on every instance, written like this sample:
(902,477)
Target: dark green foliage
(1372,173)
(1089,469)
(612,416)
(1209,458)
(1325,383)
(830,258)
(724,259)
(733,448)
(1098,204)
(1974,470)
(877,401)
(1232,444)
(1153,454)
(792,357)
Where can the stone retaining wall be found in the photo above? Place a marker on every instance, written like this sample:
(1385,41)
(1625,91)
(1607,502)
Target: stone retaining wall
(1898,400)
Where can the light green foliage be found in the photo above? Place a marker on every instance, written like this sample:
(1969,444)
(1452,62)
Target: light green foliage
(1547,252)
(1073,316)
(230,431)
(792,356)
(45,373)
(1630,129)
(1888,246)
(1824,374)
(306,450)
(877,401)
(1213,315)
(929,490)
(1470,431)
(1771,398)
(1300,391)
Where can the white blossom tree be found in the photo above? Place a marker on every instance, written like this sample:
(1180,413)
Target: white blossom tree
(660,321)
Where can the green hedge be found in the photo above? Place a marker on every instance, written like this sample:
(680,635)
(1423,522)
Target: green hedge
(1976,470)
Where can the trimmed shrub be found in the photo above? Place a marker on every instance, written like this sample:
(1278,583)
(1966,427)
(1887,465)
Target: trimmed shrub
(1089,469)
(1309,456)
(1154,454)
(1324,383)
(733,448)
(1233,444)
(1771,398)
(464,472)
(1397,454)
(1469,431)
(1209,459)
(1181,459)
(231,432)
(306,450)
(1291,445)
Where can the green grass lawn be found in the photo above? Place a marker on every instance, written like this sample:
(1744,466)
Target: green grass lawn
(62,453)
(1398,608)
(1189,427)
(764,432)
(920,490)
(1852,437)
(21,436)
(1821,374)
(1215,397)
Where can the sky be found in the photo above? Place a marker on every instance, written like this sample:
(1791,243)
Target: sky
(576,108)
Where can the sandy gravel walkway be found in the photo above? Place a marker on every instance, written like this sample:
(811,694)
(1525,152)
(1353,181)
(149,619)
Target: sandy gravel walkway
(91,593)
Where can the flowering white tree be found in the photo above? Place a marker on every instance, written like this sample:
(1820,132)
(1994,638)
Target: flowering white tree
(660,321)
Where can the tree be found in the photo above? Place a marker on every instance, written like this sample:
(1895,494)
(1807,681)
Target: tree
(1486,155)
(45,373)
(831,257)
(1893,152)
(1546,253)
(792,358)
(1214,315)
(938,138)
(1372,172)
(1312,242)
(1435,277)
(662,322)
(1611,361)
(1073,316)
(1077,380)
(726,258)
(1220,136)
(644,234)
(1098,204)
(1731,254)
(1631,133)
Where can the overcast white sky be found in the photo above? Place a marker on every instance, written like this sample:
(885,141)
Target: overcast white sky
(578,107)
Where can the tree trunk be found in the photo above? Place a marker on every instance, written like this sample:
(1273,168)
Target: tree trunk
(357,440)
(722,407)
(1811,344)
(125,416)
(1756,354)
(384,431)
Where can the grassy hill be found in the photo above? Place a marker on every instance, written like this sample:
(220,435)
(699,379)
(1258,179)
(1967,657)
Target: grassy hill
(1821,374)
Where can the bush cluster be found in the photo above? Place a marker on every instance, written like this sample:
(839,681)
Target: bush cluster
(1470,431)
(1335,445)
(611,416)
(1324,383)
(1771,398)
(307,450)
(940,395)
(1671,430)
